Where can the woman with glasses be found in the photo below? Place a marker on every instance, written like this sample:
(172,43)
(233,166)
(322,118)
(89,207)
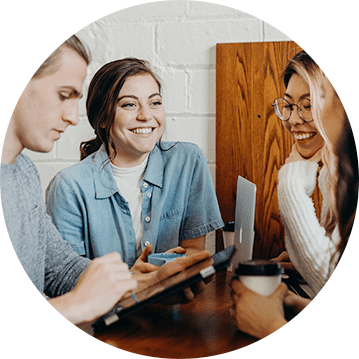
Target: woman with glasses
(309,241)
(315,248)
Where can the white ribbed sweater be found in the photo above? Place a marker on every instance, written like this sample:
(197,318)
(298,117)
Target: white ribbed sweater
(309,249)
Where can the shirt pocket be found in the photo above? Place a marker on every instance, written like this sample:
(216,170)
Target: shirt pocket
(169,230)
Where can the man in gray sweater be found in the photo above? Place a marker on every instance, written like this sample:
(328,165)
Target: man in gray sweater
(80,289)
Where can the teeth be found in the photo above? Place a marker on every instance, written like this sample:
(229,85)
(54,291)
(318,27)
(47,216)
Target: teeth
(303,136)
(143,131)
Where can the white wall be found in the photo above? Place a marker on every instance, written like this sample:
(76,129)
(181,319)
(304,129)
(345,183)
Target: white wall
(179,39)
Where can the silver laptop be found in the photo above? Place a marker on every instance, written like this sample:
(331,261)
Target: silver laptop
(244,221)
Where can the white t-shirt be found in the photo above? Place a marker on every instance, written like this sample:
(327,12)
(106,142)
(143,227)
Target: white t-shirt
(129,185)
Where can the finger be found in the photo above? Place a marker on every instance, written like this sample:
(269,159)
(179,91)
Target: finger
(281,291)
(146,252)
(188,293)
(182,263)
(287,265)
(193,259)
(146,267)
(237,287)
(282,257)
(179,250)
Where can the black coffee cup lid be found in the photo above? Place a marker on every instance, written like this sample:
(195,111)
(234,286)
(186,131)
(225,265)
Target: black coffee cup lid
(259,267)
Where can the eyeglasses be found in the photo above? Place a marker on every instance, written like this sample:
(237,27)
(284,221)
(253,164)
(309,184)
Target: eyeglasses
(283,109)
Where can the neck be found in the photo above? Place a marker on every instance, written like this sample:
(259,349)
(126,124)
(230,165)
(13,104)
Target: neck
(12,145)
(127,163)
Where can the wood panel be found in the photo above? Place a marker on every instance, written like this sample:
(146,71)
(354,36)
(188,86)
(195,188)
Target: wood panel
(250,139)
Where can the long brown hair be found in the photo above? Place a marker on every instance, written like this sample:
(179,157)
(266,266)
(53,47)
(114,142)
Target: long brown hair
(102,98)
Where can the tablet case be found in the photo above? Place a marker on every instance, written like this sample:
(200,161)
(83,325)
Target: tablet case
(167,287)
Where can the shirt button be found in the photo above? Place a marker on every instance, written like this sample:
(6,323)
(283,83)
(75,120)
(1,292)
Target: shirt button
(149,195)
(147,243)
(145,185)
(147,219)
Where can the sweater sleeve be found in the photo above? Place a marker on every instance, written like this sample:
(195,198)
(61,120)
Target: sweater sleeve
(63,266)
(308,246)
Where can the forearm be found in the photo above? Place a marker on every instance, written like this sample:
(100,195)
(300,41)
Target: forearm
(194,245)
(67,306)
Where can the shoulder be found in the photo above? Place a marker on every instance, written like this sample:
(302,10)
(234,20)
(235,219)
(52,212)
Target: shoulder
(180,149)
(24,162)
(77,170)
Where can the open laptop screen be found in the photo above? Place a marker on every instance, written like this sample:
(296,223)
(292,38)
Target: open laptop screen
(244,221)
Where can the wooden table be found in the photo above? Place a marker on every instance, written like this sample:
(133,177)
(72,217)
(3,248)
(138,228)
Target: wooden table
(200,328)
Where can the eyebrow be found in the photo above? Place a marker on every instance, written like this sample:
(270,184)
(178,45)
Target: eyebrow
(136,98)
(303,96)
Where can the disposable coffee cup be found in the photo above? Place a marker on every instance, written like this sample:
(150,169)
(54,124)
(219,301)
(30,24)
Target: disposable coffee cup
(261,276)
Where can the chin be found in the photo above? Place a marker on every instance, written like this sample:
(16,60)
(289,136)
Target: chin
(308,152)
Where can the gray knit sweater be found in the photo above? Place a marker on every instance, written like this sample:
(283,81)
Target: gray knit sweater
(52,265)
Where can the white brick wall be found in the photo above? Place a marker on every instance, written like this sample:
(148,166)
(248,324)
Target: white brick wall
(179,39)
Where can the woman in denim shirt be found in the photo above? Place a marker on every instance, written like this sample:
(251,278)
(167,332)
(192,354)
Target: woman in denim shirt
(132,193)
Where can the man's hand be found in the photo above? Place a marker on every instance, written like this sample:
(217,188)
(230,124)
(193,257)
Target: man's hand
(105,281)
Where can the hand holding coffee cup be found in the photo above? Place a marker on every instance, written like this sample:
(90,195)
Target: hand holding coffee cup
(261,276)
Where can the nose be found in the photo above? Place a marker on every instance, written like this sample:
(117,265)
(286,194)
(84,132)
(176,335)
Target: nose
(71,113)
(144,114)
(294,118)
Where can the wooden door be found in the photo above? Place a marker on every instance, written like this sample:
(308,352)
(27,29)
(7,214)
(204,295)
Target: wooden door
(250,139)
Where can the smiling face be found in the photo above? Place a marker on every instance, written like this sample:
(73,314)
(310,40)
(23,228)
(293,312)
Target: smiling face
(306,135)
(139,120)
(49,104)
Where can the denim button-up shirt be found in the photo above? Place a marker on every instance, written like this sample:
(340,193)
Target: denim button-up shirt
(179,203)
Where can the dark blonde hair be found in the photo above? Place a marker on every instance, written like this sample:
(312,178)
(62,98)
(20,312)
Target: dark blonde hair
(102,98)
(49,66)
(341,161)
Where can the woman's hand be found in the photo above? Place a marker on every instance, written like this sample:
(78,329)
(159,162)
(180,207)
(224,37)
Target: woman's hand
(142,266)
(105,281)
(284,261)
(255,314)
(169,269)
(295,303)
(296,156)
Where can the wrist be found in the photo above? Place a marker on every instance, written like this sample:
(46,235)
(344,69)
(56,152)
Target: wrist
(276,324)
(71,308)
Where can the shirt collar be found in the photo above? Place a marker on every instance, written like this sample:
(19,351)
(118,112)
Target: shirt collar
(105,184)
(155,168)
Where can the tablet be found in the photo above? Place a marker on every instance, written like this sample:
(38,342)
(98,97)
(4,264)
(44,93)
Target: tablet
(167,287)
